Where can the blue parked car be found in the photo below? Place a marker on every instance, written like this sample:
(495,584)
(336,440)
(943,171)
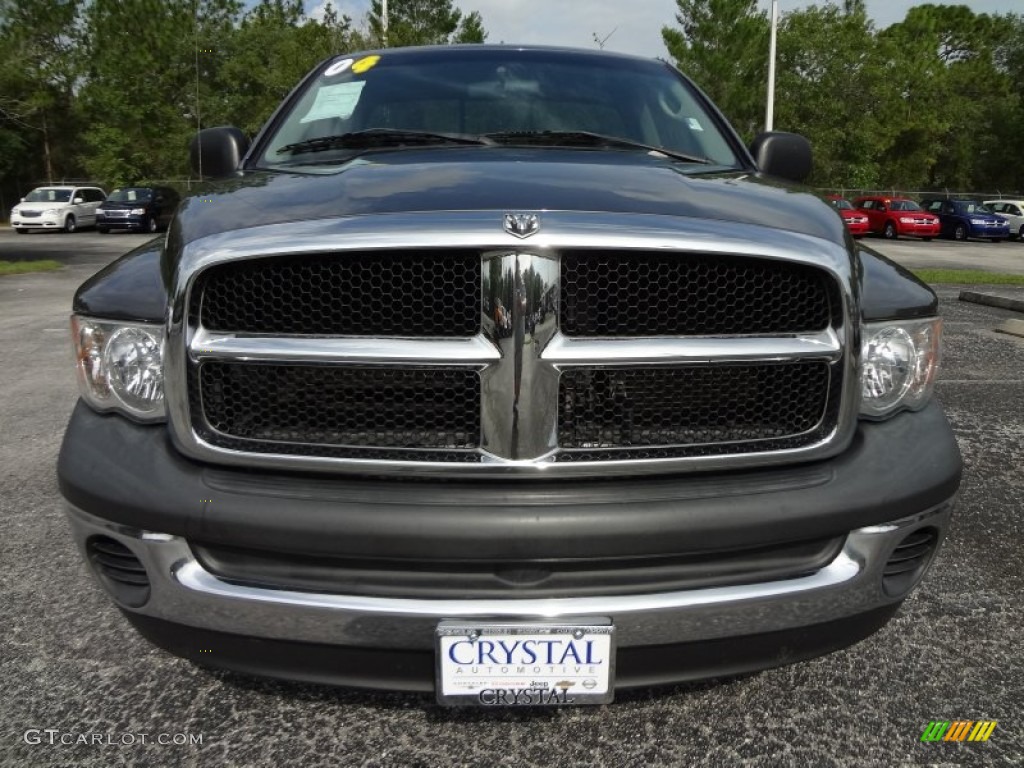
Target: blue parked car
(962,219)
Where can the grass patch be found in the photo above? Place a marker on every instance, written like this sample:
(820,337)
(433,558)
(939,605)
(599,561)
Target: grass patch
(23,267)
(967,277)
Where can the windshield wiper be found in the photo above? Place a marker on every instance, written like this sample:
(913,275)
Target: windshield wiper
(585,139)
(381,137)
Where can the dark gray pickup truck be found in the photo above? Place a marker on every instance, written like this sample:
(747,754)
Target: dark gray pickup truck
(507,374)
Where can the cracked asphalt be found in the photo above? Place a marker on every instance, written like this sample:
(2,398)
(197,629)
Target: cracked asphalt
(70,665)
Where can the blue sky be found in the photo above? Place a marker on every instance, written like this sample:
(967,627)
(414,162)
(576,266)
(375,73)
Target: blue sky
(631,27)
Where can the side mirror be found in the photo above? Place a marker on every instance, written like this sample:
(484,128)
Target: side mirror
(217,152)
(78,200)
(786,155)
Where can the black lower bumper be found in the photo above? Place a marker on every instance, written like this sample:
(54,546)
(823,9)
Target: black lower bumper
(413,670)
(131,475)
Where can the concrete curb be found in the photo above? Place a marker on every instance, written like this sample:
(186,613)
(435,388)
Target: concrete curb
(992,300)
(1014,327)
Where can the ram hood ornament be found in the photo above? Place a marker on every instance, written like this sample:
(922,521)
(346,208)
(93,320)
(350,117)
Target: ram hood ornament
(522,224)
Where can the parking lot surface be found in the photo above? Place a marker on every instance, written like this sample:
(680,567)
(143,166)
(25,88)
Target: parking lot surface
(70,667)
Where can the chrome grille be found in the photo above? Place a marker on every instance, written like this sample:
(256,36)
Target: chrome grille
(696,405)
(610,293)
(546,359)
(658,413)
(413,293)
(307,409)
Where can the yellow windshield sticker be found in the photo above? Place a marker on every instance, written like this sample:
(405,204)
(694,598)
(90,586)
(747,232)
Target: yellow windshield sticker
(365,64)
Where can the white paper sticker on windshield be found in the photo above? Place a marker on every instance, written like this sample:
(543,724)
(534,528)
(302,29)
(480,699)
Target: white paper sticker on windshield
(335,101)
(338,67)
(694,124)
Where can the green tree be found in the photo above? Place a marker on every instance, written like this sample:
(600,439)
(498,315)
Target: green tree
(424,22)
(273,47)
(143,96)
(39,70)
(832,86)
(1007,115)
(723,46)
(941,59)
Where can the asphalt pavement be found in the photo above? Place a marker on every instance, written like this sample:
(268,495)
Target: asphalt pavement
(70,668)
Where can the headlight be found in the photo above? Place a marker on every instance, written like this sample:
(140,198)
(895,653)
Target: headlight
(899,363)
(51,211)
(906,219)
(978,222)
(138,211)
(120,366)
(101,210)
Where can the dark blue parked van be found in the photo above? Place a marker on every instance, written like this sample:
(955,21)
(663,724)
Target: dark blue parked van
(962,219)
(140,209)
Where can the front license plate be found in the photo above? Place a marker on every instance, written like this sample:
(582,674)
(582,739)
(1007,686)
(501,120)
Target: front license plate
(528,664)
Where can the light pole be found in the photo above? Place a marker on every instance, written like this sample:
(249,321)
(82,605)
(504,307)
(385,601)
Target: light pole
(384,21)
(769,114)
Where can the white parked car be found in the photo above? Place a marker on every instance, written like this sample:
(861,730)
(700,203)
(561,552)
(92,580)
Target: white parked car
(67,207)
(1013,212)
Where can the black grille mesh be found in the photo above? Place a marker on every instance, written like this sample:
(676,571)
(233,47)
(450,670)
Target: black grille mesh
(613,293)
(421,293)
(702,407)
(339,411)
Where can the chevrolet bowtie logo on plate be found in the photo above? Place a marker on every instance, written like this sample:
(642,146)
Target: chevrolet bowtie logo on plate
(522,224)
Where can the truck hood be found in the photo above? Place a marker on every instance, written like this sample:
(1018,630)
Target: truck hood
(503,179)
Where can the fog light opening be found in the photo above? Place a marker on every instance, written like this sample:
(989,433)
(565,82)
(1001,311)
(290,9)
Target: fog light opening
(908,561)
(119,571)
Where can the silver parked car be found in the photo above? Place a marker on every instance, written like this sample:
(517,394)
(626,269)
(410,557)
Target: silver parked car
(67,207)
(1013,212)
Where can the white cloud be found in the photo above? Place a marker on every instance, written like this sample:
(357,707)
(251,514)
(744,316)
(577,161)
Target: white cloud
(354,9)
(630,27)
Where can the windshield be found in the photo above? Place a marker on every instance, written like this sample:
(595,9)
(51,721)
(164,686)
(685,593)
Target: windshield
(905,205)
(130,195)
(503,93)
(978,208)
(842,205)
(47,195)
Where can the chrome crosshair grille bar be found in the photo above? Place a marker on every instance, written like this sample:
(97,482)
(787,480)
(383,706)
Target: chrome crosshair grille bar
(532,419)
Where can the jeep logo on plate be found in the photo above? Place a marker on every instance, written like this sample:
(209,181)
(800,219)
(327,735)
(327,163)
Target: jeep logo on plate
(521,224)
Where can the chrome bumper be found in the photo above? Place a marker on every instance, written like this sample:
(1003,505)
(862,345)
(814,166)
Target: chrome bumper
(184,593)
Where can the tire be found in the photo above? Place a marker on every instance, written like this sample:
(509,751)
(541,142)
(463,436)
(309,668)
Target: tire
(151,225)
(1020,235)
(960,232)
(69,224)
(889,231)
(21,230)
(102,230)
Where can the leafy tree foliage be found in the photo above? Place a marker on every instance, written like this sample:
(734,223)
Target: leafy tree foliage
(112,90)
(831,87)
(424,22)
(723,46)
(936,101)
(39,63)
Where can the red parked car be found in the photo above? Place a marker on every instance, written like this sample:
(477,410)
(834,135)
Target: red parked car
(856,221)
(892,217)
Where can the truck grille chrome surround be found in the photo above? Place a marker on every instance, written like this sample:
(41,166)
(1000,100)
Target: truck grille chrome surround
(604,345)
